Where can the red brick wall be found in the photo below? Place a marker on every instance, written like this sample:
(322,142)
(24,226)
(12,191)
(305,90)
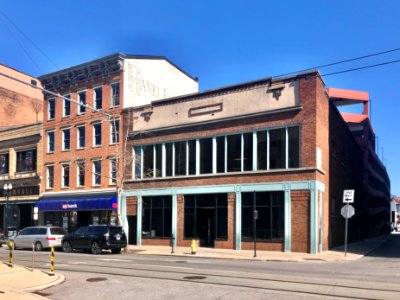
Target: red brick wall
(103,152)
(300,222)
(263,246)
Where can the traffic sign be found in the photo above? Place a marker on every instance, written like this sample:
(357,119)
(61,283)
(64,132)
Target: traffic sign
(347,211)
(348,196)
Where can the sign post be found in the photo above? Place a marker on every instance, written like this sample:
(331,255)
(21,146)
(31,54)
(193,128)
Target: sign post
(347,212)
(255,217)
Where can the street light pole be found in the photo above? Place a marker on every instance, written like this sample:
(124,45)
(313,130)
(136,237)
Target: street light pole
(7,191)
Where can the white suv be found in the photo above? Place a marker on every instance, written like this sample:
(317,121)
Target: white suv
(41,237)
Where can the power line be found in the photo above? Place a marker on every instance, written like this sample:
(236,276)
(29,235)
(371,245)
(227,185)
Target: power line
(22,46)
(29,39)
(340,62)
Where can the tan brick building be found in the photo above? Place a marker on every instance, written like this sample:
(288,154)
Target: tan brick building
(205,165)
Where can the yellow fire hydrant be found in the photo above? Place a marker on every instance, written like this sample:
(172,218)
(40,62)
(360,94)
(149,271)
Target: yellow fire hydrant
(193,246)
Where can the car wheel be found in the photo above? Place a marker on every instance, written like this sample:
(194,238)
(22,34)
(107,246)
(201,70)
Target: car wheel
(116,251)
(38,246)
(95,249)
(67,247)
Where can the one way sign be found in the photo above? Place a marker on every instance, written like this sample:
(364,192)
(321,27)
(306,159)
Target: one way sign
(348,196)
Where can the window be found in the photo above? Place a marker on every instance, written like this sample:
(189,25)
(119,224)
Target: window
(98,98)
(157,216)
(67,106)
(277,148)
(4,163)
(50,177)
(50,141)
(262,146)
(51,109)
(138,162)
(206,154)
(148,161)
(81,136)
(66,135)
(234,152)
(168,159)
(158,149)
(294,146)
(270,222)
(113,171)
(115,94)
(180,158)
(80,173)
(97,134)
(247,151)
(82,101)
(114,130)
(65,175)
(26,161)
(96,172)
(192,157)
(220,154)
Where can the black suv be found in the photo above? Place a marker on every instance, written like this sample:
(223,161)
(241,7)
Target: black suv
(96,238)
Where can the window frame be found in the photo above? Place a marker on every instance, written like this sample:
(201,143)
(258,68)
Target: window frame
(112,99)
(95,98)
(51,109)
(94,173)
(66,105)
(48,177)
(112,170)
(79,136)
(65,175)
(94,126)
(80,166)
(6,166)
(114,136)
(21,161)
(81,107)
(50,133)
(64,131)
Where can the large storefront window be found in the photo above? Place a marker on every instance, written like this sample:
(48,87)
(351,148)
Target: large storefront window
(270,222)
(268,149)
(157,217)
(206,218)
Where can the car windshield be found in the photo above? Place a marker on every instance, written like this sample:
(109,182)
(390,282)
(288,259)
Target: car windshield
(57,231)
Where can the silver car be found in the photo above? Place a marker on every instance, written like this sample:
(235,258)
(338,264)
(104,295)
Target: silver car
(41,237)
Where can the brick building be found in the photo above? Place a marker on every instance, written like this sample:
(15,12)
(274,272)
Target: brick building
(14,95)
(203,163)
(83,144)
(20,167)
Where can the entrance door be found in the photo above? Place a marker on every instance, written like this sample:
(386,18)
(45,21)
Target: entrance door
(206,226)
(132,223)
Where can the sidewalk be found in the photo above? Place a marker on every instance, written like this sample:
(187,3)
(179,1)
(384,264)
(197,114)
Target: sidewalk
(354,251)
(19,282)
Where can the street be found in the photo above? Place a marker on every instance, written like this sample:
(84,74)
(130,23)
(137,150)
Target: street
(133,276)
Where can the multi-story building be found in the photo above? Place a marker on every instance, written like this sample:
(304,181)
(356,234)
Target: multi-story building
(375,206)
(14,94)
(266,160)
(20,173)
(83,143)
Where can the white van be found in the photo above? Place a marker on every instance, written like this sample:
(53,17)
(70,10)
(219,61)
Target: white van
(41,237)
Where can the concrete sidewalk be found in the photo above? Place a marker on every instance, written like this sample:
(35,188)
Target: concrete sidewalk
(354,251)
(19,282)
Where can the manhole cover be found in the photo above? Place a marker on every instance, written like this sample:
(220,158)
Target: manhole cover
(96,279)
(195,277)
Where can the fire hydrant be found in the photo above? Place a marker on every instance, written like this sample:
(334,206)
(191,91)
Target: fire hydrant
(193,246)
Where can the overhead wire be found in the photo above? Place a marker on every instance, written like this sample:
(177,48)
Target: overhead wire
(339,62)
(29,39)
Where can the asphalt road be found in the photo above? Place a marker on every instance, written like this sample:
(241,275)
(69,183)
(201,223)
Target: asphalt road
(135,276)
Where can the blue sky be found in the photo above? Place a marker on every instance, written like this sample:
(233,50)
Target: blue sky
(222,43)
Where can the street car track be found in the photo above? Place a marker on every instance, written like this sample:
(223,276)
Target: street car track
(298,285)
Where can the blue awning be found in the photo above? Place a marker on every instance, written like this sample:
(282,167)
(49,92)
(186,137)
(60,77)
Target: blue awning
(78,204)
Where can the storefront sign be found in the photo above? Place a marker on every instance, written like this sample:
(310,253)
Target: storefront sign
(79,204)
(22,191)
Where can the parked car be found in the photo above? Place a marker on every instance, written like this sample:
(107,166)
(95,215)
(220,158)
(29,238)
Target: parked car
(42,237)
(96,238)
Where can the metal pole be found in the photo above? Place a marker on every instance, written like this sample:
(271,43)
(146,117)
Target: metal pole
(346,228)
(254,225)
(33,257)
